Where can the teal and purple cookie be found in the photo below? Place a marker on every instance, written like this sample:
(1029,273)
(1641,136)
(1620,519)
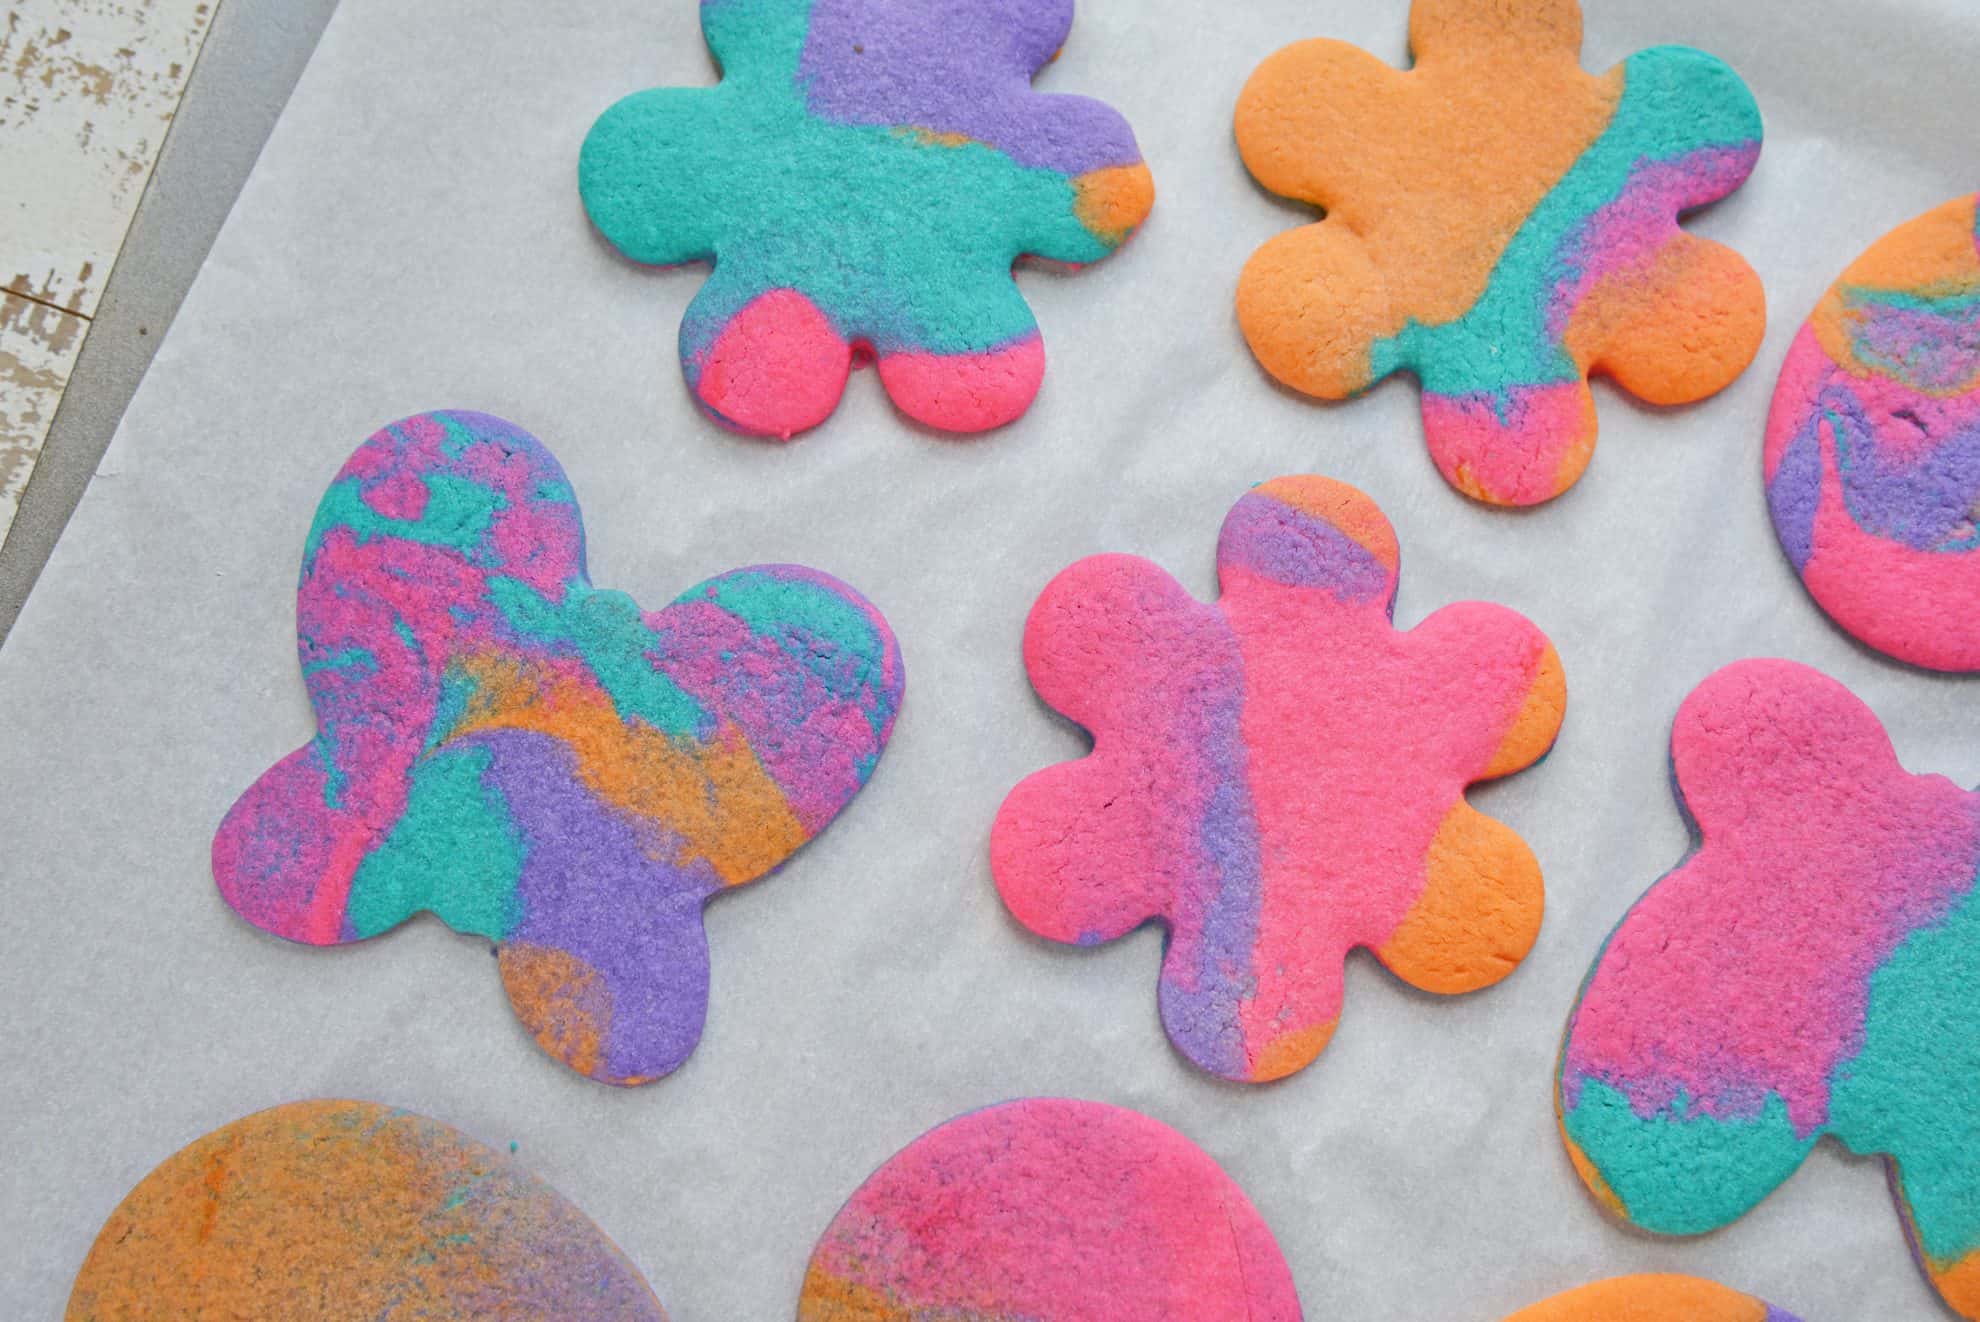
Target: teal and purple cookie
(328,1210)
(1808,970)
(537,761)
(863,178)
(1873,446)
(1045,1210)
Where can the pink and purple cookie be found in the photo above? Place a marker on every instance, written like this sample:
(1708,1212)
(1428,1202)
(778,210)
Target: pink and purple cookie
(863,178)
(1873,446)
(327,1210)
(1279,778)
(1652,1298)
(1046,1210)
(538,761)
(1807,970)
(1502,224)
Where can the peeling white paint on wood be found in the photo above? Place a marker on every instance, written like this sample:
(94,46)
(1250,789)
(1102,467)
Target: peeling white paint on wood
(38,347)
(87,89)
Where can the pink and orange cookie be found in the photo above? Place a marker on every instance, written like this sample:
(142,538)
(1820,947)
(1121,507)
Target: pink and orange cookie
(863,178)
(1807,970)
(536,760)
(328,1210)
(1502,224)
(1278,778)
(1045,1210)
(1873,446)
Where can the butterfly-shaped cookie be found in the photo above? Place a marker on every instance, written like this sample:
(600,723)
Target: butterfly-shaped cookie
(536,760)
(1808,970)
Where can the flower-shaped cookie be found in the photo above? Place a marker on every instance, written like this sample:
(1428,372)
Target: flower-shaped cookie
(1873,446)
(532,758)
(1279,777)
(1047,1210)
(1809,969)
(325,1211)
(863,177)
(1502,224)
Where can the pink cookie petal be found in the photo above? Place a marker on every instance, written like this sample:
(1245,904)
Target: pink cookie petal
(966,392)
(778,367)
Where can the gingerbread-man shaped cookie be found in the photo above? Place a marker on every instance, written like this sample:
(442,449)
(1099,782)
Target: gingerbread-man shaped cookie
(1279,777)
(1502,224)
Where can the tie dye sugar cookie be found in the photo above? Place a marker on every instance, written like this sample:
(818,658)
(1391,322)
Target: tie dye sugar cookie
(537,761)
(1279,778)
(1501,224)
(1652,1298)
(863,177)
(1873,447)
(322,1211)
(1049,1211)
(1808,970)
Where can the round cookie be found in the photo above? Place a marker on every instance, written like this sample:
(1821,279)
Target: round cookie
(1652,1298)
(1873,446)
(1278,778)
(536,760)
(329,1210)
(1045,1210)
(1806,971)
(1502,224)
(863,177)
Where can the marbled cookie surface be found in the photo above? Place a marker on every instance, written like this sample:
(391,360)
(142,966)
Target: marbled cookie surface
(1873,446)
(325,1211)
(1500,224)
(863,178)
(536,760)
(1278,778)
(1808,970)
(1045,1210)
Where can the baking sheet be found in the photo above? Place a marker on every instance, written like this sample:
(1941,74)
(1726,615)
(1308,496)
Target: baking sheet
(412,239)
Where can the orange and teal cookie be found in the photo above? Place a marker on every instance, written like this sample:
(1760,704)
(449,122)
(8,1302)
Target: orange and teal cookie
(1807,970)
(1046,1210)
(327,1210)
(1502,224)
(1278,778)
(1873,447)
(863,178)
(536,760)
(1652,1298)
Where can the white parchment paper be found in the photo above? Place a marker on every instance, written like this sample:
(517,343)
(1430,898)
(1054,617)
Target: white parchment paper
(412,239)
